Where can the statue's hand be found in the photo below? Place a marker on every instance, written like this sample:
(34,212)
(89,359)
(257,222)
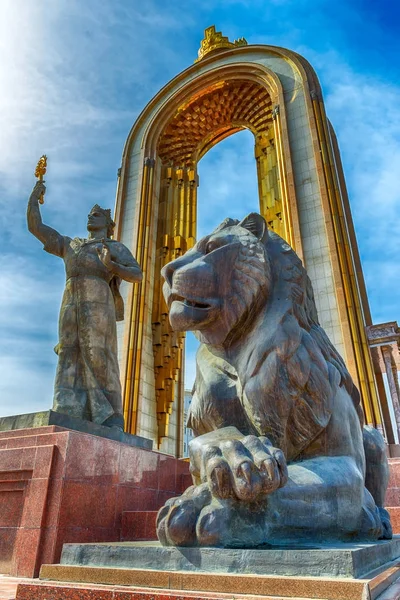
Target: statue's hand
(247,468)
(38,190)
(105,255)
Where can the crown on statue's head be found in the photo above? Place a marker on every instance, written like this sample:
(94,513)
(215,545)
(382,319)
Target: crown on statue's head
(214,40)
(104,211)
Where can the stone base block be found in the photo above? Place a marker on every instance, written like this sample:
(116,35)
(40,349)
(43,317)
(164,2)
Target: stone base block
(58,486)
(339,560)
(49,417)
(169,585)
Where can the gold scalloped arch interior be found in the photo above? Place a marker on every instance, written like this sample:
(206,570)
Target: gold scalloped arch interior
(210,116)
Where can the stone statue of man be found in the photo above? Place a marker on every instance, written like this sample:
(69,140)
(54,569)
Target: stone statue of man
(87,384)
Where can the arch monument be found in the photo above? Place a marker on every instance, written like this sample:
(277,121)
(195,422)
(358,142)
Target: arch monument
(274,93)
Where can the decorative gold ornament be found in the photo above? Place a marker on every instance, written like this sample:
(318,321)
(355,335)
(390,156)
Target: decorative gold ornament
(206,119)
(214,40)
(40,171)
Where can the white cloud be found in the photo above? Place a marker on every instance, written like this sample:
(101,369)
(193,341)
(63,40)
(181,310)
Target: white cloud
(365,112)
(29,304)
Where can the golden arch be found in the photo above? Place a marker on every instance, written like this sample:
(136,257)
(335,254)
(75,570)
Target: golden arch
(188,117)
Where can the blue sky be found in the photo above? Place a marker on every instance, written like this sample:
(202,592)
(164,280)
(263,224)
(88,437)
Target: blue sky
(74,76)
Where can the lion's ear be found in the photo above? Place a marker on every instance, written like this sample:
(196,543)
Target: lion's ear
(256,224)
(228,222)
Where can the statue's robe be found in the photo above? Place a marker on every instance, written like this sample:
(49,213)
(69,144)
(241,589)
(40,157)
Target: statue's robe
(87,383)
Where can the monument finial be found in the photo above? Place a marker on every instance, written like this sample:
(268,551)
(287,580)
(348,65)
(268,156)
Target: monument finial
(214,40)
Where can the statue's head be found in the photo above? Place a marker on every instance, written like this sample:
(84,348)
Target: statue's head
(100,219)
(218,288)
(221,281)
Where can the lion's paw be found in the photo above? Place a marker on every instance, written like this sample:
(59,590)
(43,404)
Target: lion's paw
(176,520)
(375,521)
(198,519)
(245,469)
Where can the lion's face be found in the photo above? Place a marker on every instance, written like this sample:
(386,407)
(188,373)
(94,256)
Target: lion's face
(213,286)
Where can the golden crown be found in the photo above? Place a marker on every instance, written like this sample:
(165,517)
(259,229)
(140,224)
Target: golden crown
(214,40)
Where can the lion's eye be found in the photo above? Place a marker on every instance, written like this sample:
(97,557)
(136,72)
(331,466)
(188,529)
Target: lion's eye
(211,246)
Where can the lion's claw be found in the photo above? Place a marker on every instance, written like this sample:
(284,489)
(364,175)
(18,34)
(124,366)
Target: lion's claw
(244,469)
(180,524)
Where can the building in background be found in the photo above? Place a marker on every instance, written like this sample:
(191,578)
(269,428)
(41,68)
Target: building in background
(384,341)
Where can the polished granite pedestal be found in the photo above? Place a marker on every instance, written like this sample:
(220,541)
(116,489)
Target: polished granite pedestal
(59,485)
(50,417)
(333,560)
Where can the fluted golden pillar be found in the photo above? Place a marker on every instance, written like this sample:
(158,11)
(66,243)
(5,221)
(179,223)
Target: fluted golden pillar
(176,234)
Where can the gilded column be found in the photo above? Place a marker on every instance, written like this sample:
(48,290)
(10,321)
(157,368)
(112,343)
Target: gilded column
(272,180)
(269,184)
(175,234)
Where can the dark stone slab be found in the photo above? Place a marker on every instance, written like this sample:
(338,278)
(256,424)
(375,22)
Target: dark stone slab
(49,417)
(338,560)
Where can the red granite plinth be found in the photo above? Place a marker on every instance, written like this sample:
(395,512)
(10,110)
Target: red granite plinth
(59,486)
(139,526)
(43,591)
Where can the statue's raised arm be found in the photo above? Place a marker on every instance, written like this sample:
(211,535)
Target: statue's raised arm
(52,240)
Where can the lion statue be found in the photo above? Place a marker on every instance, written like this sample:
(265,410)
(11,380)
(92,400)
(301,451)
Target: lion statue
(281,454)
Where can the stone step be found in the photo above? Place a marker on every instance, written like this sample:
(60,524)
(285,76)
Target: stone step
(8,586)
(59,582)
(138,525)
(32,431)
(40,590)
